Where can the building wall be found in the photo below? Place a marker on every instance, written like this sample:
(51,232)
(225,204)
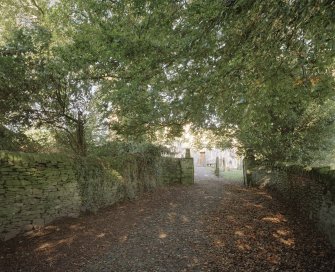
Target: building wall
(227,158)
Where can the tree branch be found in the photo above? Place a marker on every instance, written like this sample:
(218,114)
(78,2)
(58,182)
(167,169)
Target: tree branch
(37,6)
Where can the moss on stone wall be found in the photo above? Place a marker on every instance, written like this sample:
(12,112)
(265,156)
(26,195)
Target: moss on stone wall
(187,171)
(170,170)
(38,188)
(99,184)
(34,190)
(312,192)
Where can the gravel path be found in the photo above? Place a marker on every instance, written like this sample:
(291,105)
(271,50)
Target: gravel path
(205,174)
(171,237)
(211,226)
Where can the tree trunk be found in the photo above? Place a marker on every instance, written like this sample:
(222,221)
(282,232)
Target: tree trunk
(80,136)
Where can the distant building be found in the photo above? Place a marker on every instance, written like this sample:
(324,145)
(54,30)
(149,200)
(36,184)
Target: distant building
(201,152)
(228,159)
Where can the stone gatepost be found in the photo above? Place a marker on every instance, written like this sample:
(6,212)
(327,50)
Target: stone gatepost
(188,153)
(187,168)
(217,168)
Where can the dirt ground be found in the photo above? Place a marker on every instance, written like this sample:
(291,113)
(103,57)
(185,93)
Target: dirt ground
(214,225)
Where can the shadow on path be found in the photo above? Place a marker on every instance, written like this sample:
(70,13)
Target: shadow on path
(209,226)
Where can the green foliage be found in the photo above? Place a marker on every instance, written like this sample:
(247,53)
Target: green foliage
(263,75)
(115,149)
(18,82)
(234,175)
(16,141)
(139,161)
(260,72)
(39,87)
(99,184)
(210,139)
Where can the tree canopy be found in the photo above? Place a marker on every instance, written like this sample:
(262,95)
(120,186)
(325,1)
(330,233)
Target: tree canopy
(261,72)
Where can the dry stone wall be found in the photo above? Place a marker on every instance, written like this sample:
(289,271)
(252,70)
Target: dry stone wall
(170,170)
(177,171)
(187,171)
(36,189)
(312,192)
